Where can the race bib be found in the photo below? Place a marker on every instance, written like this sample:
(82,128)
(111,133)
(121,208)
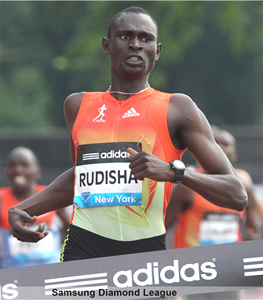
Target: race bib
(219,228)
(103,176)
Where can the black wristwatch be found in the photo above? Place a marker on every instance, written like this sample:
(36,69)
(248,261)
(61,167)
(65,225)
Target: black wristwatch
(178,167)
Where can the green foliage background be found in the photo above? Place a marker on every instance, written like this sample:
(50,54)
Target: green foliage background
(212,51)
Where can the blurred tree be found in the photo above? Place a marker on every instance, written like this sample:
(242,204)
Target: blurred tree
(49,49)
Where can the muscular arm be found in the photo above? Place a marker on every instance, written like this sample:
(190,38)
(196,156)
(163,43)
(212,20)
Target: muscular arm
(189,128)
(220,185)
(57,195)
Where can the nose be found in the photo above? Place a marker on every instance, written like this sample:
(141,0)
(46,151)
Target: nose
(18,169)
(135,44)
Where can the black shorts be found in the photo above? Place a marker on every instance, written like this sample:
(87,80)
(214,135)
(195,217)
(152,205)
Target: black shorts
(83,244)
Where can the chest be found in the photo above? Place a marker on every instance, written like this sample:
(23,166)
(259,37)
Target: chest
(113,121)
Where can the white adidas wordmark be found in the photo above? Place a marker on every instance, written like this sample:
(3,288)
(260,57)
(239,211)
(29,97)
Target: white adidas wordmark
(131,113)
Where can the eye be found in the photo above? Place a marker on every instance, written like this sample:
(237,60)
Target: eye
(146,39)
(124,37)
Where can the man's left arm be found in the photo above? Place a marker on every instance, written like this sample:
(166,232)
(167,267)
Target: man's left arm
(220,185)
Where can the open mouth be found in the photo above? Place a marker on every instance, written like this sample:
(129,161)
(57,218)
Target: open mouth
(20,180)
(134,60)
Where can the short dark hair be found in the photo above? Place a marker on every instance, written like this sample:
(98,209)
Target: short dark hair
(131,9)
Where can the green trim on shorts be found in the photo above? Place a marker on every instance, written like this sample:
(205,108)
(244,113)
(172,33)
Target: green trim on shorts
(63,248)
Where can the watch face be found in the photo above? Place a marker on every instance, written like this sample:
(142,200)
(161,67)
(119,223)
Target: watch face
(179,164)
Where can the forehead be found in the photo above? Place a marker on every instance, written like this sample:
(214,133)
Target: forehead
(22,157)
(134,22)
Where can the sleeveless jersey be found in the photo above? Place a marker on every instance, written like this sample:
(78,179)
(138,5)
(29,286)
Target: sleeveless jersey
(20,254)
(108,200)
(206,224)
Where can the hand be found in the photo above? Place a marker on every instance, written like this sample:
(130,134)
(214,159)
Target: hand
(18,220)
(145,165)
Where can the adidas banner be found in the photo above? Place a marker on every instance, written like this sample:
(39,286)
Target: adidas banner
(159,274)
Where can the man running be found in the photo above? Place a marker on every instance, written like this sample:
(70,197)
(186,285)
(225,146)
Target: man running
(120,197)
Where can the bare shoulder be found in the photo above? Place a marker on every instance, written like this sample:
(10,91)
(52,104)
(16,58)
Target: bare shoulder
(71,107)
(184,110)
(73,100)
(182,100)
(185,119)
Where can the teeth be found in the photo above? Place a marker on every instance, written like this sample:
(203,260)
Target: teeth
(20,179)
(134,58)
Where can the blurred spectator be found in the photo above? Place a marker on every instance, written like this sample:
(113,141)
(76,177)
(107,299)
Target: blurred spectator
(199,222)
(23,171)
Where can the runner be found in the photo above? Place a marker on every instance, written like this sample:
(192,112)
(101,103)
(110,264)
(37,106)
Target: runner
(23,171)
(125,167)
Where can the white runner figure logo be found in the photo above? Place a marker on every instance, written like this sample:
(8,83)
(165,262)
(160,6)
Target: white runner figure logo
(101,110)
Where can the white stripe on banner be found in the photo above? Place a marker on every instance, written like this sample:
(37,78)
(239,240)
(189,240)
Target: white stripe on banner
(253,266)
(256,273)
(252,259)
(77,283)
(75,277)
(70,283)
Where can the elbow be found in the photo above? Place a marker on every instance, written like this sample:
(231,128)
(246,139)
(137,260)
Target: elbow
(237,194)
(242,203)
(241,198)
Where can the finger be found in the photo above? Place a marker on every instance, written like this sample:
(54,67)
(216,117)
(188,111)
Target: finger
(27,235)
(41,227)
(24,217)
(41,235)
(32,220)
(132,151)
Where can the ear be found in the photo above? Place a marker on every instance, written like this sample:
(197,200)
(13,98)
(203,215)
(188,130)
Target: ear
(105,45)
(158,52)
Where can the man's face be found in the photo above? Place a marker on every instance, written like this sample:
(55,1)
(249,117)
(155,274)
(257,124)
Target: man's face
(22,171)
(133,46)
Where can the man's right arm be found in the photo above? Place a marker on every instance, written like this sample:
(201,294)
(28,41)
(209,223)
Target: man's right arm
(57,195)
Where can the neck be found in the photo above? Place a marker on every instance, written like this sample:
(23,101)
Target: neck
(123,92)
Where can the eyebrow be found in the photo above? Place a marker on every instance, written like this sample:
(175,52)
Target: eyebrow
(130,31)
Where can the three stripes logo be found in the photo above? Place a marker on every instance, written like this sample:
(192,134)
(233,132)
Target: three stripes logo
(90,156)
(253,266)
(78,283)
(131,113)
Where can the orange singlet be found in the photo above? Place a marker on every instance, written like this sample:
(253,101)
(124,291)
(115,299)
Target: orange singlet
(108,200)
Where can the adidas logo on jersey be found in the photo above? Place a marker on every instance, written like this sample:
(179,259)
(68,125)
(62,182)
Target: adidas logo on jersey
(131,113)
